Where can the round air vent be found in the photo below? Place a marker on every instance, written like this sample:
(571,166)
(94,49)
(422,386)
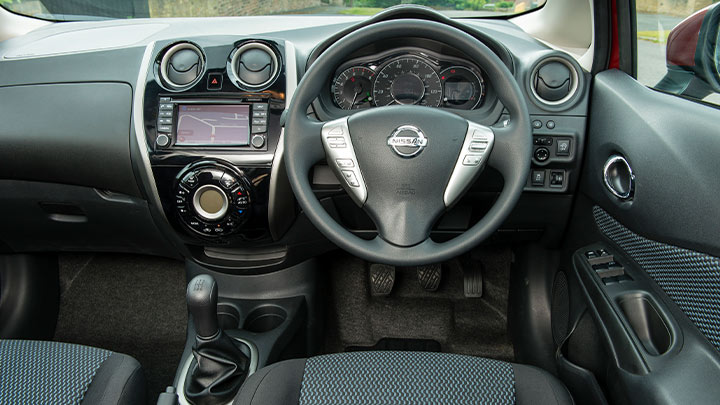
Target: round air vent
(554,81)
(182,66)
(254,66)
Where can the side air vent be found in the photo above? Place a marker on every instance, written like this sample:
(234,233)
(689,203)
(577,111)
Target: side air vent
(554,81)
(253,66)
(182,66)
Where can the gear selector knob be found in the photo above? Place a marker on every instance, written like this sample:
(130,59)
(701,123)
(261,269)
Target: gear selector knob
(202,297)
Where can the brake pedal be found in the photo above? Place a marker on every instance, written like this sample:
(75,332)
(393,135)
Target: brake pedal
(382,279)
(429,276)
(473,280)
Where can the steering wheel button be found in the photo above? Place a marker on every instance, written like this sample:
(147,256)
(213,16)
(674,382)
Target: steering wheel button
(345,163)
(480,135)
(472,160)
(350,178)
(478,146)
(336,131)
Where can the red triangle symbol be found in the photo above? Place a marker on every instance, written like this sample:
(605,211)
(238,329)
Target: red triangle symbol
(214,81)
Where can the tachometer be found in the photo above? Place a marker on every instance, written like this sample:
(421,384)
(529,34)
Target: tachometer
(408,80)
(352,89)
(463,88)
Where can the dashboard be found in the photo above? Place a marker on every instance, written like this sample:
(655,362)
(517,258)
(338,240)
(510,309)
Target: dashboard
(179,128)
(408,76)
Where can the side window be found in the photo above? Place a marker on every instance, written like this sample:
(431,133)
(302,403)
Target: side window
(677,47)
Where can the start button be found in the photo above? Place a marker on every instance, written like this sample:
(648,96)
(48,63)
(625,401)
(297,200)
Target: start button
(210,202)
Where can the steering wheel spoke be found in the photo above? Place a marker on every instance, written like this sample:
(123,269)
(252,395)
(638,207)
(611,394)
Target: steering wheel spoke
(477,146)
(342,160)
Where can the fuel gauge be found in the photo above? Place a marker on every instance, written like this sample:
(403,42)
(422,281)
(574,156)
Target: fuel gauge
(462,88)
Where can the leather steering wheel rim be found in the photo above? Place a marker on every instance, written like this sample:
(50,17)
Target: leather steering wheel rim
(511,154)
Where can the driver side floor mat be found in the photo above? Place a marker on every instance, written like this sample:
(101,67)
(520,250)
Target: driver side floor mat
(477,326)
(130,304)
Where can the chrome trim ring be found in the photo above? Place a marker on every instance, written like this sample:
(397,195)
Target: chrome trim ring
(573,88)
(606,177)
(164,64)
(210,216)
(234,60)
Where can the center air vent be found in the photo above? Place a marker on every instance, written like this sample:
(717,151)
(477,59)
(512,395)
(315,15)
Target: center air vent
(182,66)
(254,66)
(554,81)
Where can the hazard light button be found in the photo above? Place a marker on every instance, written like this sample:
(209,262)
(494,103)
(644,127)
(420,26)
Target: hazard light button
(214,81)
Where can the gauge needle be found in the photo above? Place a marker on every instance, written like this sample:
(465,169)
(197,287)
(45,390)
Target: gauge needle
(355,98)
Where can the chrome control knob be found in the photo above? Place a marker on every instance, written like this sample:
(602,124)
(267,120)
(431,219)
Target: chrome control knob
(210,202)
(162,140)
(258,141)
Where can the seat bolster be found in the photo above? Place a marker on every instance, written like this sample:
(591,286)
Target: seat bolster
(277,384)
(536,386)
(119,380)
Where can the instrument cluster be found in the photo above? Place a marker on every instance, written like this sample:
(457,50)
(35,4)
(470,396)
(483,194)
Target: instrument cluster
(408,78)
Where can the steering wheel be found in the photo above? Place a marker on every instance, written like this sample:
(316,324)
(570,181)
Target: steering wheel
(406,165)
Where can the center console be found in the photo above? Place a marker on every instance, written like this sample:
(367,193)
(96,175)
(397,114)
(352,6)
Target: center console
(211,115)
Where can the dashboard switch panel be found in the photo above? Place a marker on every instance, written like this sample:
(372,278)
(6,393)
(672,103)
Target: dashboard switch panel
(212,199)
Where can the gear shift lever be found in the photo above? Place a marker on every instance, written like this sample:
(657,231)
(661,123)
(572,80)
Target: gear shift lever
(221,364)
(202,296)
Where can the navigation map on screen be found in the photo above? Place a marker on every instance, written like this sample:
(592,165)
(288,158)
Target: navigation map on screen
(213,125)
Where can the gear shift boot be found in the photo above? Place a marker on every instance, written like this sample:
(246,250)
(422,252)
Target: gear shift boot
(220,363)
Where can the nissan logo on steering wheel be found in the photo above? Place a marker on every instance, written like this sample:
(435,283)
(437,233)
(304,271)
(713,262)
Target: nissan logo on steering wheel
(407,141)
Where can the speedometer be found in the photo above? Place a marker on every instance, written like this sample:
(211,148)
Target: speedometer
(407,80)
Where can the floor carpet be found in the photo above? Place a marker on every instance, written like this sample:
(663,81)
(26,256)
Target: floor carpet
(129,304)
(475,326)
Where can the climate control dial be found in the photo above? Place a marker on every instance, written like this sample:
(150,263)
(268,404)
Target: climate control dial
(212,199)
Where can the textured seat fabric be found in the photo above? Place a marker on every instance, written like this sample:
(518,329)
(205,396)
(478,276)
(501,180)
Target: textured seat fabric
(36,372)
(385,378)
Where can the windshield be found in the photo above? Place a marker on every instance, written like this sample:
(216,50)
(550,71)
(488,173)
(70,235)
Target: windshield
(78,10)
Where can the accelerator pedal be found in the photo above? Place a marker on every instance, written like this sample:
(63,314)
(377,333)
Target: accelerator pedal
(473,280)
(382,279)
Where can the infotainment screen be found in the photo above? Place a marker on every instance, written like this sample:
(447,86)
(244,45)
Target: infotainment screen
(211,124)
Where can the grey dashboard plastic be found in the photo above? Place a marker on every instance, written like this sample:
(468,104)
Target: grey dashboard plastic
(73,133)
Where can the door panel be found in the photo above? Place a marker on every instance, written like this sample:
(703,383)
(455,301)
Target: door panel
(673,147)
(659,319)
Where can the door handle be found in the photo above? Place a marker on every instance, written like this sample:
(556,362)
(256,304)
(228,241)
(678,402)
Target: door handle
(619,177)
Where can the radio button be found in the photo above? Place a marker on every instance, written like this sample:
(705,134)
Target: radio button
(258,141)
(162,140)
